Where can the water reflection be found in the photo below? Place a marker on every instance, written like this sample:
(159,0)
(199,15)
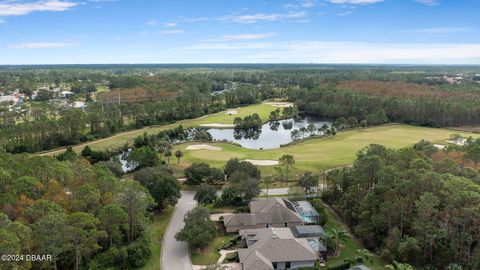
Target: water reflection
(270,135)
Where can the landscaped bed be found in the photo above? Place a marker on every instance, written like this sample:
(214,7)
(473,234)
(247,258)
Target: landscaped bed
(210,254)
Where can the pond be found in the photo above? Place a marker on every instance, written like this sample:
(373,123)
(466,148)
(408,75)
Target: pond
(270,135)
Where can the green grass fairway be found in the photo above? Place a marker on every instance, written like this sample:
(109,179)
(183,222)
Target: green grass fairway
(222,117)
(319,154)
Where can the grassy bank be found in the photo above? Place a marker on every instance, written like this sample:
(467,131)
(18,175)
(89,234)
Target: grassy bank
(156,232)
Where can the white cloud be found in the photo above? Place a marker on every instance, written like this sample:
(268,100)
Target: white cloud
(246,36)
(345,13)
(16,8)
(441,30)
(307,3)
(41,45)
(227,46)
(300,4)
(151,22)
(170,24)
(428,2)
(252,18)
(172,32)
(311,51)
(355,2)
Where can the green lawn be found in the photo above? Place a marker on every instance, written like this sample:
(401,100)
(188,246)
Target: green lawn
(210,255)
(156,232)
(320,154)
(349,248)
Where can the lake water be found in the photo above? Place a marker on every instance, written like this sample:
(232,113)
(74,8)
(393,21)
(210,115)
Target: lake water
(269,136)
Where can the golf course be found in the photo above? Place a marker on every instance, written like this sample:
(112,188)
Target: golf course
(312,155)
(323,153)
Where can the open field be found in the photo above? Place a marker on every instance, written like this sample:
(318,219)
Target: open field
(320,154)
(120,139)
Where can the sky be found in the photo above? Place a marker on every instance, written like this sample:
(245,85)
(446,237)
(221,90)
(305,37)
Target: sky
(239,31)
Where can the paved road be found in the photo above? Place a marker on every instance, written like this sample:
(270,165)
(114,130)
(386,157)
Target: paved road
(275,191)
(175,254)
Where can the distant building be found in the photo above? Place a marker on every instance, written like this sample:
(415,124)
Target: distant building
(79,105)
(13,98)
(264,213)
(65,94)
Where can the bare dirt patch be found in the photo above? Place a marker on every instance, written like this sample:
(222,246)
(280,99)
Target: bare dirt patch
(204,147)
(231,112)
(262,162)
(280,104)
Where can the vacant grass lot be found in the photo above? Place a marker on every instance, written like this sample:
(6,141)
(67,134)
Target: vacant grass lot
(320,154)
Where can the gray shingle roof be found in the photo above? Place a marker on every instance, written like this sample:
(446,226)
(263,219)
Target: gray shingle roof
(272,210)
(276,245)
(255,261)
(241,219)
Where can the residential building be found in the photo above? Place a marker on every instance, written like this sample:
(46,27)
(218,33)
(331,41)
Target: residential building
(275,248)
(264,213)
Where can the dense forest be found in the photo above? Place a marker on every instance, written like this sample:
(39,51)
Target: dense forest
(415,205)
(410,207)
(120,98)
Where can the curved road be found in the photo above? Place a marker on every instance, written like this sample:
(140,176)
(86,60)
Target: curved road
(175,254)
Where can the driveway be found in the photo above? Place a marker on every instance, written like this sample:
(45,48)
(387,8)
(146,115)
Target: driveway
(175,254)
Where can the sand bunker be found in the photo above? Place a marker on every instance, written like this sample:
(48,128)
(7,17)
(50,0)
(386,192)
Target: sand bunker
(280,104)
(218,125)
(439,146)
(203,147)
(264,162)
(231,112)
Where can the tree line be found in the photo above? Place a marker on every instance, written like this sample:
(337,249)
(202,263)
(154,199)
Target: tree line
(81,214)
(378,109)
(410,208)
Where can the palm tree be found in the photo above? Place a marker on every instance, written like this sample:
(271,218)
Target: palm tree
(268,181)
(168,155)
(399,266)
(179,154)
(366,255)
(338,236)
